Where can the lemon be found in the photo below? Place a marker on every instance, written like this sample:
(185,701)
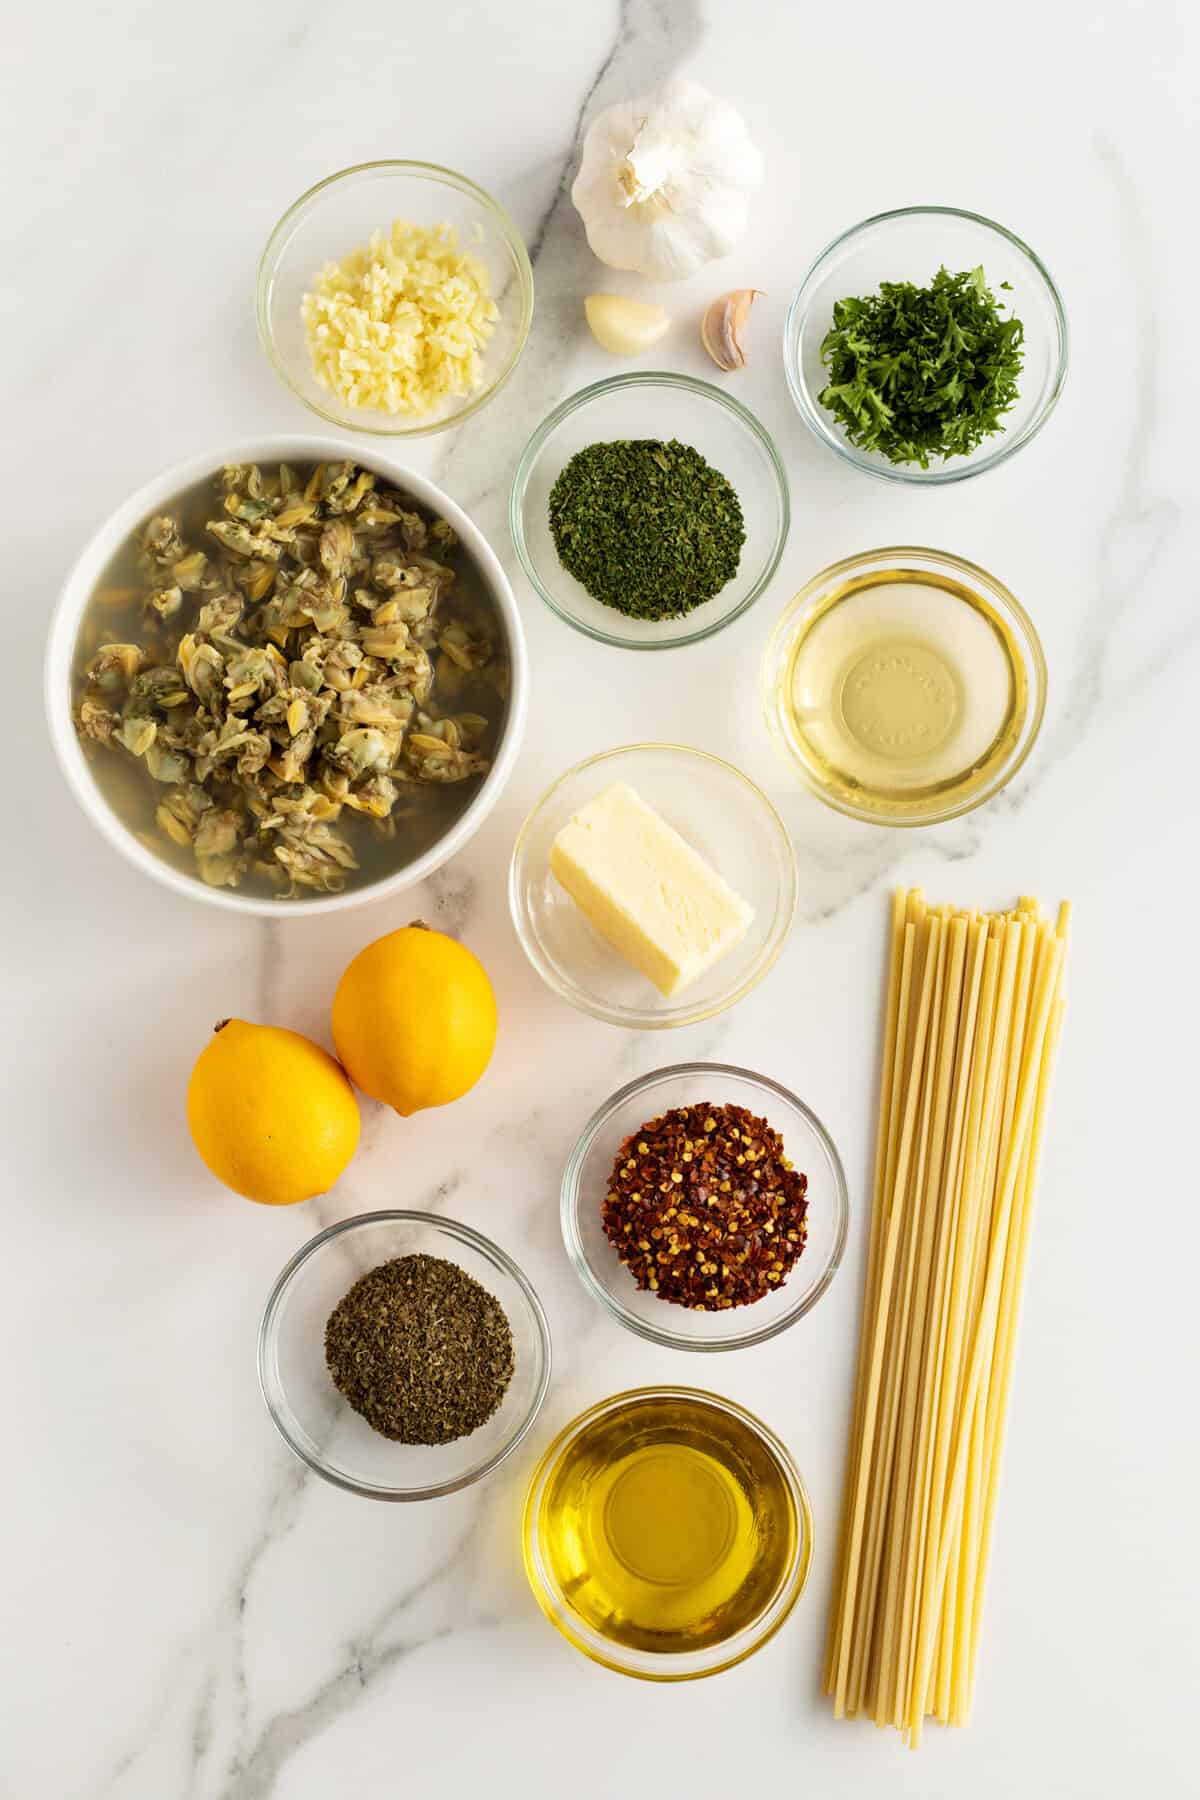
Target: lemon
(271,1113)
(414,1019)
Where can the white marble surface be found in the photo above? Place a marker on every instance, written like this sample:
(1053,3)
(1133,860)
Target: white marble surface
(187,1614)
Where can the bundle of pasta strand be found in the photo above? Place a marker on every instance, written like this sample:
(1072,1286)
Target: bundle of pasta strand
(973,1015)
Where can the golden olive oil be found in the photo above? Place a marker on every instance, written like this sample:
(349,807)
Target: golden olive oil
(903,688)
(667,1524)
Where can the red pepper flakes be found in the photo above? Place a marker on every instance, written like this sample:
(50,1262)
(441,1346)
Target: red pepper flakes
(704,1208)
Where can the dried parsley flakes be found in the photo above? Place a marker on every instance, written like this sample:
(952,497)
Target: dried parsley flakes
(649,528)
(917,372)
(420,1349)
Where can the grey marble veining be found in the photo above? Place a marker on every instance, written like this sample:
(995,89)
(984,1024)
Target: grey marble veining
(194,1616)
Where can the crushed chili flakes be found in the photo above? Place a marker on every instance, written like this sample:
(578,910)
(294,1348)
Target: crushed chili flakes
(704,1208)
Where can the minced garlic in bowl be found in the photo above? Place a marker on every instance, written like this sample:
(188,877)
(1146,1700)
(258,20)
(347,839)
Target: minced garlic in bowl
(394,331)
(398,325)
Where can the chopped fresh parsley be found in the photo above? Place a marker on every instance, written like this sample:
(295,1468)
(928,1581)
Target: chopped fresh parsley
(917,372)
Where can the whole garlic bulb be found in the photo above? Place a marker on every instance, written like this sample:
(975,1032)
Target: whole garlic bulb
(665,182)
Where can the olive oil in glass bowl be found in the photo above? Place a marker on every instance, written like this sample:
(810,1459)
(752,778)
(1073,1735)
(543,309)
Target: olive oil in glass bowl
(667,1533)
(905,686)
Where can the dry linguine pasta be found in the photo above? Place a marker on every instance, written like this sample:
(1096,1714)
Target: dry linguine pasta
(974,1009)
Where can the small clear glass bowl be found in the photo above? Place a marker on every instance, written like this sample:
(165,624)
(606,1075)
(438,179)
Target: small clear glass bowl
(662,406)
(720,813)
(649,1665)
(313,1419)
(837,586)
(585,1184)
(337,216)
(911,244)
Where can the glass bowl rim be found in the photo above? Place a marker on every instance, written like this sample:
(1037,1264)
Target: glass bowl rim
(592,1644)
(663,1335)
(1027,633)
(793,325)
(582,398)
(281,1412)
(426,171)
(695,1014)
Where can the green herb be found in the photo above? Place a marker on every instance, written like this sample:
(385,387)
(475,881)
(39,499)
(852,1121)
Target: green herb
(919,372)
(647,527)
(420,1349)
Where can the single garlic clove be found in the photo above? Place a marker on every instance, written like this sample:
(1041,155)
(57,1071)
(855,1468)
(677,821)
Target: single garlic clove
(626,327)
(721,326)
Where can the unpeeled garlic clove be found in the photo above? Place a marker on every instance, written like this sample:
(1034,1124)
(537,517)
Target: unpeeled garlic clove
(721,326)
(625,327)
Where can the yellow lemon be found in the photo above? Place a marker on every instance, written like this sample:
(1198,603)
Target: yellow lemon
(414,1019)
(271,1113)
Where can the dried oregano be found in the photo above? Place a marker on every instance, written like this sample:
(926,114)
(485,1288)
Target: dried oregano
(420,1349)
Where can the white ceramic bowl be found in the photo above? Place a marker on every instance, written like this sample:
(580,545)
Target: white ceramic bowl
(104,544)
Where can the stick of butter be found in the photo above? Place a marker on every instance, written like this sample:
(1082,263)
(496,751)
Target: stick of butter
(654,898)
